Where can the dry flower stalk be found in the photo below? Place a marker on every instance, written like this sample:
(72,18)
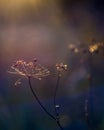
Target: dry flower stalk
(34,70)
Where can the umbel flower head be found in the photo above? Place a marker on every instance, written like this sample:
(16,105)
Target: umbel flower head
(61,68)
(28,70)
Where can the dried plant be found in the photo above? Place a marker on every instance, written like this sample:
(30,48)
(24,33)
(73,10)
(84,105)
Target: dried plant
(60,68)
(36,71)
(95,47)
(30,69)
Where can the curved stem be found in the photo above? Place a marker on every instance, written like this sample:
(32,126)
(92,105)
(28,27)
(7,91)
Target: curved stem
(37,99)
(58,123)
(56,112)
(56,89)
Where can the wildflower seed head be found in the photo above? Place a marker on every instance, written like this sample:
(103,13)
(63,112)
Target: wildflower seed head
(73,48)
(61,68)
(92,48)
(97,47)
(30,69)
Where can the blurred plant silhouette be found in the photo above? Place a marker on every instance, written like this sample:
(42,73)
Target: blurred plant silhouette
(88,50)
(36,71)
(95,47)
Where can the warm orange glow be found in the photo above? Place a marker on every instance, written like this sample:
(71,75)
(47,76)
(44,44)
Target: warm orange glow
(93,48)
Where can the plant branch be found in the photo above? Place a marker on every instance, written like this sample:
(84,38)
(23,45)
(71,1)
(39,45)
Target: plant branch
(56,107)
(37,99)
(39,102)
(55,93)
(58,123)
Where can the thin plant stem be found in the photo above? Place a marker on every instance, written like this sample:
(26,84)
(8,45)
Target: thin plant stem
(89,104)
(39,102)
(37,99)
(91,91)
(58,123)
(55,107)
(55,93)
(87,114)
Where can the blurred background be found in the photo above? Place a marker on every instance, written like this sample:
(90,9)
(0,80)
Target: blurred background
(44,29)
